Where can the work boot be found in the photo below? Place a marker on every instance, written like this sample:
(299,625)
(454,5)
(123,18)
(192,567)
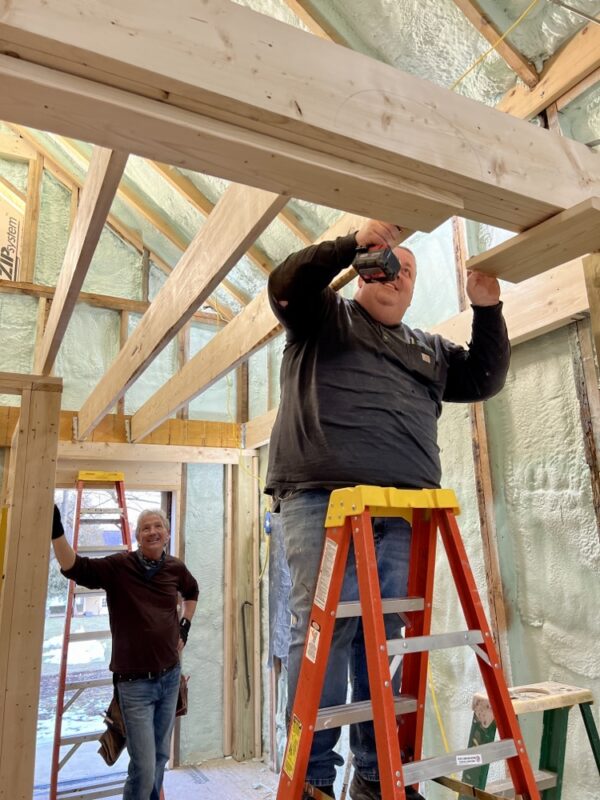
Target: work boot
(322,790)
(362,789)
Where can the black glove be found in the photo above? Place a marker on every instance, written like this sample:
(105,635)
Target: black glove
(57,526)
(184,629)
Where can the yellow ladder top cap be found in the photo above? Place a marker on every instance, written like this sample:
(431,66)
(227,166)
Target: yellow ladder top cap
(385,501)
(100,477)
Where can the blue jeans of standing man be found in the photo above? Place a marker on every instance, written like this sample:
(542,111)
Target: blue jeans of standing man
(303,518)
(148,709)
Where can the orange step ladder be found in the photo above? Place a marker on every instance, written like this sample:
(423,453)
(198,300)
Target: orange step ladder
(398,720)
(70,691)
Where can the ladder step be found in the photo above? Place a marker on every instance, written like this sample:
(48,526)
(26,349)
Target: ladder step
(390,605)
(89,636)
(349,713)
(505,788)
(102,549)
(437,641)
(99,511)
(100,521)
(91,684)
(81,738)
(108,788)
(428,768)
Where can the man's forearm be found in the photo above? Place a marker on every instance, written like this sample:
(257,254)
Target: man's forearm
(188,609)
(65,555)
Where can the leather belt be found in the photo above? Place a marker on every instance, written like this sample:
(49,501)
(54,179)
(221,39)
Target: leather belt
(120,677)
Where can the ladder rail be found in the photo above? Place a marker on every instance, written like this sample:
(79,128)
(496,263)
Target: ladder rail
(520,768)
(84,480)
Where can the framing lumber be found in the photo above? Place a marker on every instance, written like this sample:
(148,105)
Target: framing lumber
(216,248)
(132,197)
(591,269)
(113,429)
(105,171)
(32,215)
(562,238)
(244,744)
(315,22)
(484,486)
(201,202)
(228,614)
(573,63)
(92,299)
(538,305)
(515,60)
(15,149)
(31,480)
(146,453)
(248,332)
(568,97)
(297,132)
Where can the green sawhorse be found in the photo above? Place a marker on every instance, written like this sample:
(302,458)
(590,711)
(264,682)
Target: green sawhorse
(555,700)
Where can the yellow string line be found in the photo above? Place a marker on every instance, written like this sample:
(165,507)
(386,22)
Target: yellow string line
(495,45)
(436,708)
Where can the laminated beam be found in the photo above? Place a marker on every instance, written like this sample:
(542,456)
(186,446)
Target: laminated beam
(214,251)
(328,128)
(566,236)
(36,96)
(104,173)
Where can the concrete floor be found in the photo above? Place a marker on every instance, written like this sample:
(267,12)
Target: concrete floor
(219,779)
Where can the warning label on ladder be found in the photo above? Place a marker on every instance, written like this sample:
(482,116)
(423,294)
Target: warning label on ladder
(312,644)
(293,745)
(322,590)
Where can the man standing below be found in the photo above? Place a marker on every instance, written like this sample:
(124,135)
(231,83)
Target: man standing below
(361,394)
(142,592)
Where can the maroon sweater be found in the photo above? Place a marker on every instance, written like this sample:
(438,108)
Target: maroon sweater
(142,611)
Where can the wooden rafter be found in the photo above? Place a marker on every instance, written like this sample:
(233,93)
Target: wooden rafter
(515,60)
(577,59)
(190,191)
(200,201)
(315,21)
(105,171)
(92,299)
(248,332)
(212,253)
(133,199)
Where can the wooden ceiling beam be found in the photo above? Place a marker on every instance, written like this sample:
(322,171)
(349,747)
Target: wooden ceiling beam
(516,61)
(307,131)
(214,251)
(570,65)
(104,173)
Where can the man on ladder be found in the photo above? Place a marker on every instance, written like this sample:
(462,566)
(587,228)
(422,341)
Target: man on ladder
(361,394)
(142,592)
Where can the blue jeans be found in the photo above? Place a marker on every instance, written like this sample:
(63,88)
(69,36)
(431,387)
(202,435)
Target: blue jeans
(303,517)
(148,709)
